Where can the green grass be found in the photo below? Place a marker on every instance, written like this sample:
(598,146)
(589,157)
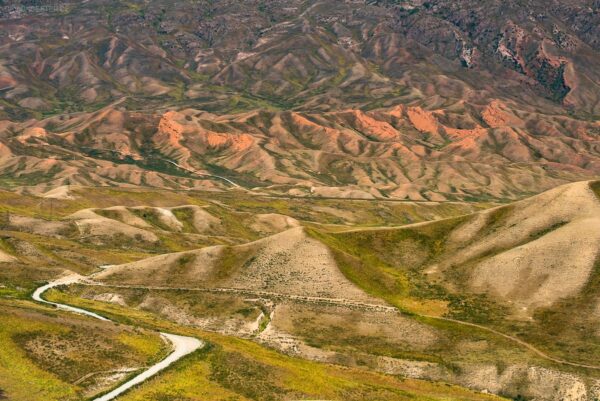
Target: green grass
(186,217)
(567,329)
(230,207)
(230,261)
(235,369)
(595,186)
(52,255)
(43,353)
(20,377)
(151,216)
(386,263)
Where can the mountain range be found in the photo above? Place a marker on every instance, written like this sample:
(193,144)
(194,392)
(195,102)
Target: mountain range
(422,100)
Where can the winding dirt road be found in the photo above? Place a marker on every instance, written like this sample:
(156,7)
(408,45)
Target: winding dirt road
(182,345)
(37,296)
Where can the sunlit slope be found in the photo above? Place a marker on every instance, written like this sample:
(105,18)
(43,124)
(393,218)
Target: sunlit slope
(530,253)
(529,268)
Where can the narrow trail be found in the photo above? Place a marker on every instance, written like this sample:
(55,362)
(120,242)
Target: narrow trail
(189,170)
(182,345)
(516,340)
(257,293)
(351,304)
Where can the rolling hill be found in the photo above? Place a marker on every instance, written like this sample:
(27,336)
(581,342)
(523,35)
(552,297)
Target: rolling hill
(520,278)
(353,200)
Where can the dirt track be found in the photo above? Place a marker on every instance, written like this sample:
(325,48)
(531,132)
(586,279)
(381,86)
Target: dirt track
(182,346)
(353,305)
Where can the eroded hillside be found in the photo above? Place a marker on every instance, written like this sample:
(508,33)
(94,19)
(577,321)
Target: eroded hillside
(420,100)
(451,300)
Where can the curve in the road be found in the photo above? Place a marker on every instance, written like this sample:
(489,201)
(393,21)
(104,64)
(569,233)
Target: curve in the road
(182,345)
(37,296)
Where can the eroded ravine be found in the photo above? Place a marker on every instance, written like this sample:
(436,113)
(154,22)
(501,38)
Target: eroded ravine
(182,345)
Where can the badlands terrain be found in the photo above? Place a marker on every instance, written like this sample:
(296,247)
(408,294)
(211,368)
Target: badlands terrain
(357,200)
(422,100)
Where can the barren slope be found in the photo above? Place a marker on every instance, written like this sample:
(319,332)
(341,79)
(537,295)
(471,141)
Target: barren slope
(287,263)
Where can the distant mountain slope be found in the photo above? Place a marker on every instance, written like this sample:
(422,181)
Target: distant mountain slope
(420,99)
(492,151)
(318,54)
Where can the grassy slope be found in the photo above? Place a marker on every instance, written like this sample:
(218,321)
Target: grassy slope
(565,329)
(235,211)
(235,369)
(201,305)
(596,188)
(44,353)
(370,213)
(388,264)
(54,255)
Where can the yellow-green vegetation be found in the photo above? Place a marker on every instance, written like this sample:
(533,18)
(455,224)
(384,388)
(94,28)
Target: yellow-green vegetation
(230,261)
(447,350)
(386,263)
(44,245)
(239,370)
(192,303)
(231,207)
(361,213)
(96,197)
(61,356)
(20,377)
(390,264)
(235,369)
(564,329)
(41,257)
(596,187)
(151,216)
(178,242)
(186,217)
(232,223)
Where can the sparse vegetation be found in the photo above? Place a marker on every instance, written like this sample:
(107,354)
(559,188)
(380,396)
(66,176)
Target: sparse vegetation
(235,368)
(43,354)
(388,263)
